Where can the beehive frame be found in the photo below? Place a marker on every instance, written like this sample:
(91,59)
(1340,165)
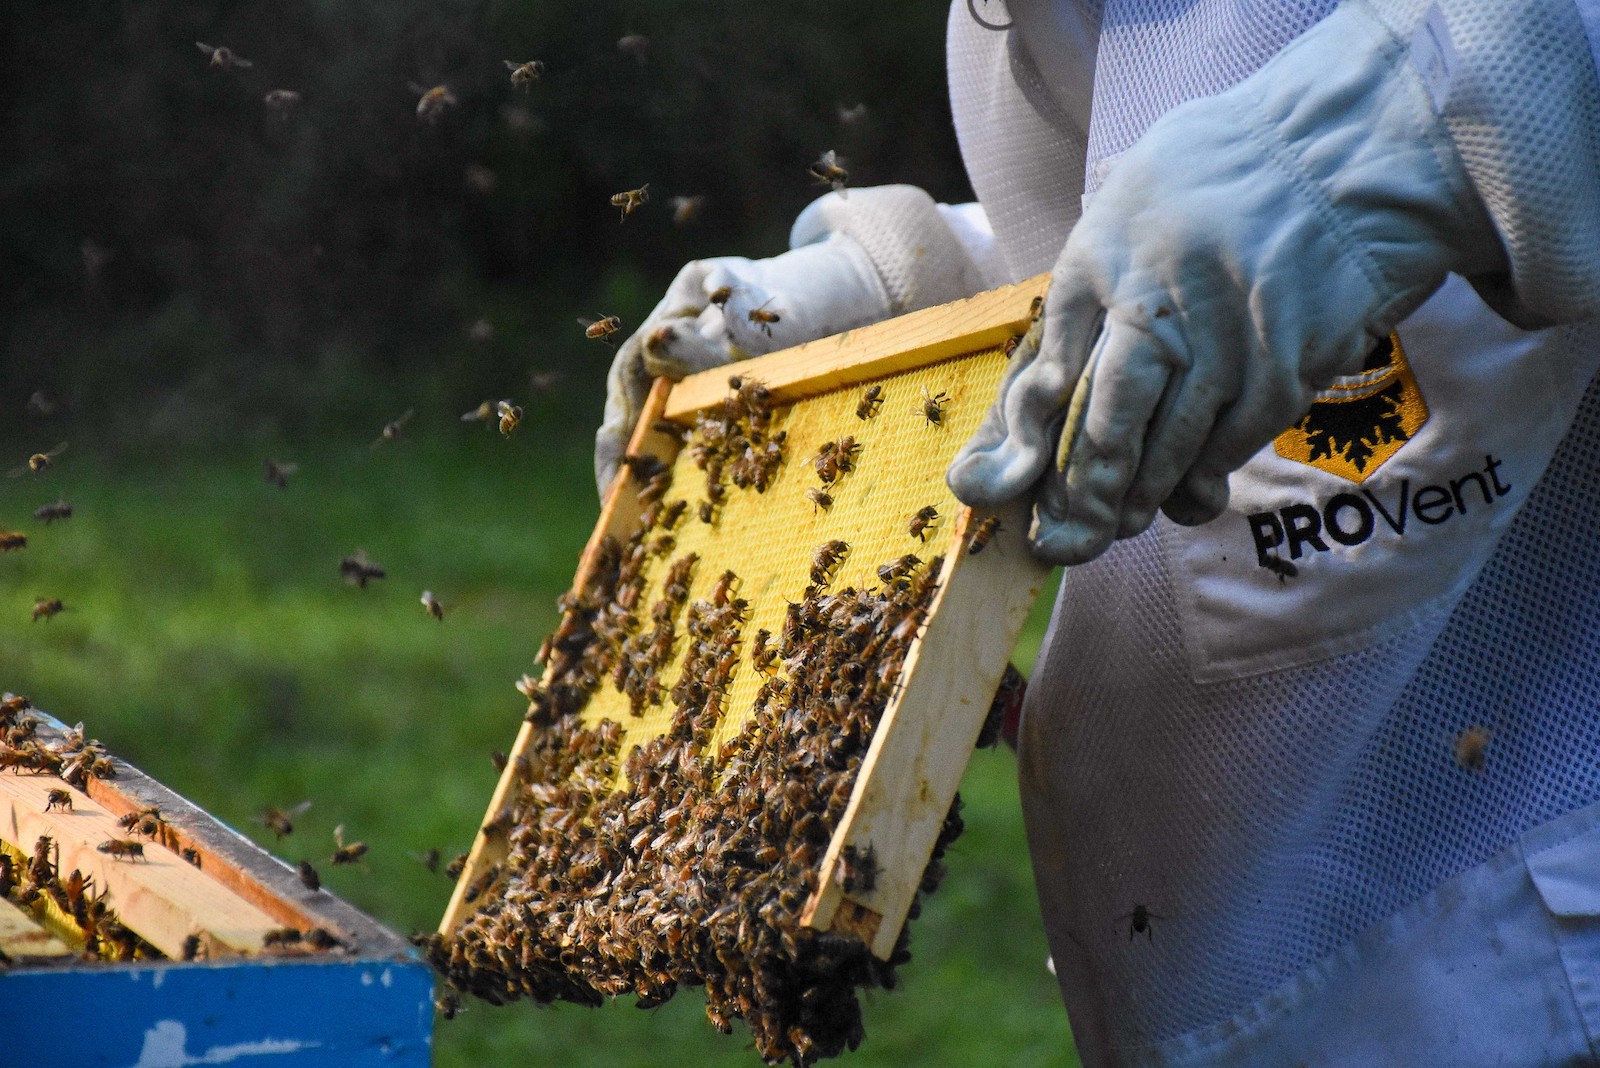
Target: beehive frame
(920,748)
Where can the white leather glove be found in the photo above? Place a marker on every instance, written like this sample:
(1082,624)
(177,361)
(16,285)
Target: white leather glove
(1246,250)
(815,290)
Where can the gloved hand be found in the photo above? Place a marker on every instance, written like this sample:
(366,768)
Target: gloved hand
(1245,251)
(811,291)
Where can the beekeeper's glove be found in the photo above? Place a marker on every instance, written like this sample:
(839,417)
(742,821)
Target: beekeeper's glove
(808,292)
(1250,247)
(854,259)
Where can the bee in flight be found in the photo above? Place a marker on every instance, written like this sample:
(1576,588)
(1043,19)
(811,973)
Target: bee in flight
(277,472)
(523,75)
(391,430)
(762,318)
(358,570)
(829,171)
(282,102)
(433,103)
(11,540)
(39,462)
(431,603)
(686,210)
(631,199)
(346,853)
(510,415)
(280,821)
(47,608)
(224,57)
(601,329)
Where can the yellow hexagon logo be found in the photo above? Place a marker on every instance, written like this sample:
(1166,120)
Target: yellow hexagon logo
(1355,426)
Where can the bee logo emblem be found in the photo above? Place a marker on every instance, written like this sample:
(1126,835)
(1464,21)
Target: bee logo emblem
(1357,425)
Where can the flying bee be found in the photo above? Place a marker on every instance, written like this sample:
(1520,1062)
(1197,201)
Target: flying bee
(1280,567)
(920,522)
(39,462)
(431,603)
(510,415)
(981,536)
(223,57)
(122,849)
(277,473)
(58,798)
(357,570)
(280,821)
(630,200)
(11,540)
(308,876)
(827,559)
(686,210)
(602,328)
(47,608)
(433,103)
(391,430)
(523,75)
(762,318)
(828,171)
(40,404)
(871,401)
(282,102)
(429,860)
(346,853)
(933,406)
(543,381)
(48,513)
(1471,747)
(482,413)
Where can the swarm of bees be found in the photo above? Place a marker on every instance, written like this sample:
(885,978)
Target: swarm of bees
(692,867)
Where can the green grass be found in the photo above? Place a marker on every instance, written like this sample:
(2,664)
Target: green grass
(209,640)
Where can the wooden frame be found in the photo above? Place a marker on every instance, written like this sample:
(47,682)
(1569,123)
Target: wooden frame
(920,748)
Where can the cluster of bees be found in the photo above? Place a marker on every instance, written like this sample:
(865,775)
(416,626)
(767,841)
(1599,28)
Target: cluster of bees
(691,868)
(28,881)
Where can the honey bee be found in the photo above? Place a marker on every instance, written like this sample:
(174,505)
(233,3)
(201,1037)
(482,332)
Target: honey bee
(453,870)
(481,413)
(983,534)
(899,569)
(721,295)
(828,171)
(433,103)
(191,948)
(38,463)
(346,853)
(282,102)
(601,329)
(40,404)
(1011,345)
(858,869)
(630,200)
(280,821)
(543,381)
(277,473)
(827,558)
(1471,747)
(48,513)
(762,318)
(321,938)
(448,1004)
(1036,307)
(672,513)
(58,798)
(11,540)
(122,849)
(1139,922)
(224,57)
(644,466)
(523,75)
(309,878)
(686,210)
(47,608)
(819,498)
(146,821)
(1280,567)
(510,415)
(708,512)
(391,430)
(933,406)
(921,521)
(429,860)
(191,855)
(431,603)
(280,937)
(357,570)
(762,653)
(871,401)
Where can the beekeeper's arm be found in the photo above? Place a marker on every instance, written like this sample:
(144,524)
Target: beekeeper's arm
(1253,245)
(854,258)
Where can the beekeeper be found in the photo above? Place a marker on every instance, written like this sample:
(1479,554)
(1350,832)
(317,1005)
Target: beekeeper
(1311,759)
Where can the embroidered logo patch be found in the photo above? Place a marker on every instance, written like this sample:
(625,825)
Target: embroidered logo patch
(1354,427)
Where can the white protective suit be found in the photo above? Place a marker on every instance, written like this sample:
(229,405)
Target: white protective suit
(1341,744)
